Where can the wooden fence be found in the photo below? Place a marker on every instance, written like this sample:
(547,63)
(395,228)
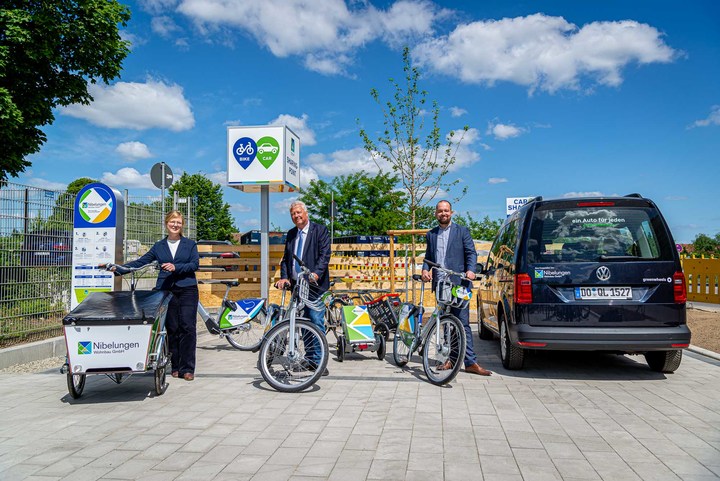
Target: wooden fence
(702,276)
(352,272)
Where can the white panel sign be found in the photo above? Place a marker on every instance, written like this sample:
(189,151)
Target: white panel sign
(258,156)
(102,347)
(514,203)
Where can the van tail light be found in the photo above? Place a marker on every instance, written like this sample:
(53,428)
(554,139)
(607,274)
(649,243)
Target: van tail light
(523,289)
(679,290)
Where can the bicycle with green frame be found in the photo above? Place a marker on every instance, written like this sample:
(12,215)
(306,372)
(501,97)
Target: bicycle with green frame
(440,339)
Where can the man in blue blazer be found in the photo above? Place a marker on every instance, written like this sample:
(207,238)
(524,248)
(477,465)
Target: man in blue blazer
(451,246)
(312,241)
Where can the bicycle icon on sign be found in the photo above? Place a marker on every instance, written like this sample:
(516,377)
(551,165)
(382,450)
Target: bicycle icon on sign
(242,150)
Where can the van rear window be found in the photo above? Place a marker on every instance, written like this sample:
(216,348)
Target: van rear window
(592,234)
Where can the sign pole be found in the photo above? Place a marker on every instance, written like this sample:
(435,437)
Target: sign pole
(264,241)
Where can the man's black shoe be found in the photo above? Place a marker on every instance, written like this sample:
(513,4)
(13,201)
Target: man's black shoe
(326,372)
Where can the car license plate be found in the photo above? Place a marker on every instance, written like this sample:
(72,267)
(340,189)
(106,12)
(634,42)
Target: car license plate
(589,293)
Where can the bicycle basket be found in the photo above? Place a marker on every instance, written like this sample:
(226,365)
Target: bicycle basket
(304,291)
(453,295)
(385,309)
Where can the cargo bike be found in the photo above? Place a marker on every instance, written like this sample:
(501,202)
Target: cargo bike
(117,334)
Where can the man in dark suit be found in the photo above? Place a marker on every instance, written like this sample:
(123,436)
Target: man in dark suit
(311,243)
(451,246)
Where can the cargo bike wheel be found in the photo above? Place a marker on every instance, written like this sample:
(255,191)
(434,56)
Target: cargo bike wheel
(161,370)
(293,372)
(442,360)
(76,384)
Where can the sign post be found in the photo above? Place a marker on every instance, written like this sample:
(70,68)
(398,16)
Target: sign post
(514,203)
(161,176)
(263,159)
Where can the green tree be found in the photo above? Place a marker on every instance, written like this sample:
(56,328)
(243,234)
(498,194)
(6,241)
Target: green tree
(365,205)
(49,51)
(705,245)
(485,229)
(214,221)
(61,217)
(421,166)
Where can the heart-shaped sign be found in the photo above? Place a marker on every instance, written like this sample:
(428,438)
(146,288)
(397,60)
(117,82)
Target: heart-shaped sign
(267,151)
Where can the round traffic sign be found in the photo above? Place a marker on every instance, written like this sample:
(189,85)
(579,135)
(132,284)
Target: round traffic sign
(158,179)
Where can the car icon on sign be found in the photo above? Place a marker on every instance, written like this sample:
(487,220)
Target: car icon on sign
(266,147)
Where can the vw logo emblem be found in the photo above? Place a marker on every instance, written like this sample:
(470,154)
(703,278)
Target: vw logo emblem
(603,273)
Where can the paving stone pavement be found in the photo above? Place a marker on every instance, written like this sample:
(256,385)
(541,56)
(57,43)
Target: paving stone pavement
(567,416)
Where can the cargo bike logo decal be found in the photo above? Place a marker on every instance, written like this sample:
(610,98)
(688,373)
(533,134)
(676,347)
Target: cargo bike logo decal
(100,347)
(95,205)
(84,347)
(358,323)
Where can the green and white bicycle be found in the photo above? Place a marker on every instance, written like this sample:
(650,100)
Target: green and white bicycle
(441,338)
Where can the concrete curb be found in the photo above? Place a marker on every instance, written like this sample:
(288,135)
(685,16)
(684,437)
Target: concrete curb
(704,352)
(33,351)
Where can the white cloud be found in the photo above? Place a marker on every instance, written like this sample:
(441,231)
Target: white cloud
(326,33)
(253,224)
(307,174)
(466,155)
(497,180)
(132,151)
(297,125)
(504,131)
(712,119)
(218,177)
(240,207)
(543,52)
(583,194)
(342,162)
(157,6)
(129,178)
(164,26)
(138,106)
(44,184)
(457,111)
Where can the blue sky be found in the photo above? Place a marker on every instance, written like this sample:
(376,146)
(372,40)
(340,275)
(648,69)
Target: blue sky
(561,97)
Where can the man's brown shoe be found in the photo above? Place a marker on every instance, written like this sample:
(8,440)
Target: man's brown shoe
(175,374)
(445,367)
(476,369)
(188,376)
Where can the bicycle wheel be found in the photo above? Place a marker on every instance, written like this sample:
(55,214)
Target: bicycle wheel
(442,360)
(76,384)
(248,335)
(293,373)
(401,347)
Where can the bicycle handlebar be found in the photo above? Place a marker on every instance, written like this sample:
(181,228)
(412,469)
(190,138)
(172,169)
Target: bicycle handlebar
(122,270)
(435,265)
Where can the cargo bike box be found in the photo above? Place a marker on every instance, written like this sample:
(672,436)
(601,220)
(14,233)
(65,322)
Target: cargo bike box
(384,312)
(117,334)
(359,333)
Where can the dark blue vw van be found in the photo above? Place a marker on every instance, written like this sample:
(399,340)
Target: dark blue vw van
(595,274)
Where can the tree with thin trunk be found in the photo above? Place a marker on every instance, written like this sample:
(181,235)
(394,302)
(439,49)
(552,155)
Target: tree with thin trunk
(422,166)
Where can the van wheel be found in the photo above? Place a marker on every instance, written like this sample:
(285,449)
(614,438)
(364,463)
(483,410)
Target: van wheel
(511,356)
(664,361)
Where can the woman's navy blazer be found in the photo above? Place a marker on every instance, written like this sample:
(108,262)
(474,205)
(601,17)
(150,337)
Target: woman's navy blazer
(186,261)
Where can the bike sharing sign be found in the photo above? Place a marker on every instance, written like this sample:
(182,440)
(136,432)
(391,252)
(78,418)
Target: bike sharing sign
(258,156)
(98,211)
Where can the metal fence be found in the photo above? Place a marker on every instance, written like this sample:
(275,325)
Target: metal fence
(36,229)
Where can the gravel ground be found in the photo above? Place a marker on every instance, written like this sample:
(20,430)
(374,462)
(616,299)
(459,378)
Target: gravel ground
(705,327)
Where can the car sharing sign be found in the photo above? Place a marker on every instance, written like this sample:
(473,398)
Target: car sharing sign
(258,156)
(515,203)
